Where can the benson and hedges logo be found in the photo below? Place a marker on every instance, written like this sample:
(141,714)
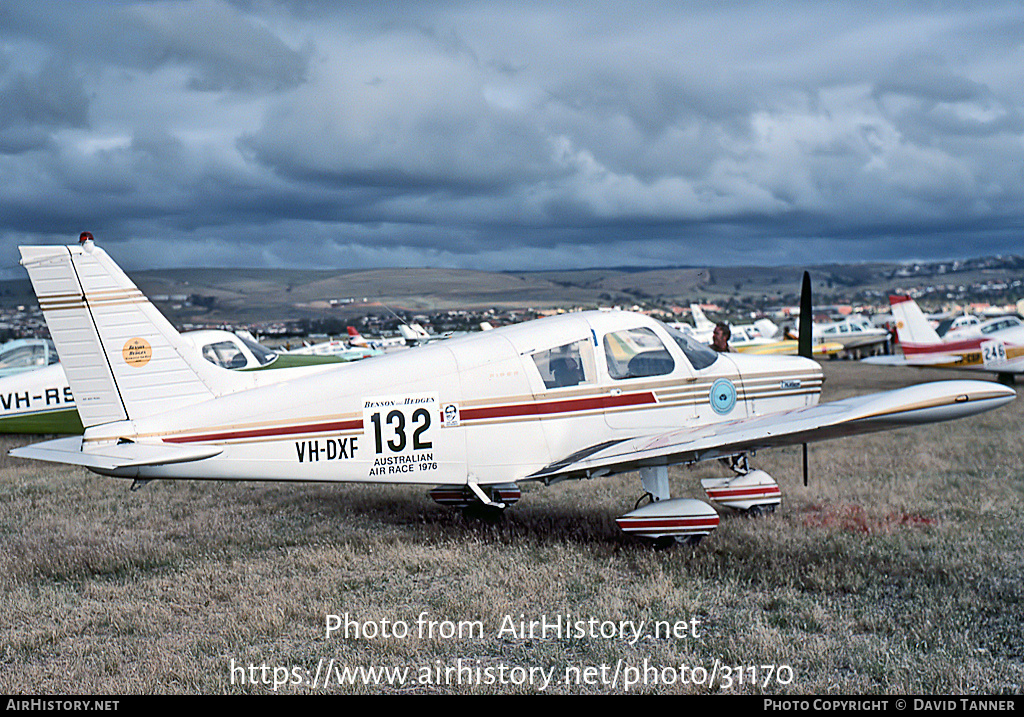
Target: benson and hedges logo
(137,352)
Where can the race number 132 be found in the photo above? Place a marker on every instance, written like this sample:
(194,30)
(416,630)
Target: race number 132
(395,430)
(400,425)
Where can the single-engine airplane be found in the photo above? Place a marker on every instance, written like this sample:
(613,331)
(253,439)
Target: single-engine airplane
(577,395)
(996,347)
(342,350)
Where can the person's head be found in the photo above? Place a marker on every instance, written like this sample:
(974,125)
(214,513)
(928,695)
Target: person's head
(720,338)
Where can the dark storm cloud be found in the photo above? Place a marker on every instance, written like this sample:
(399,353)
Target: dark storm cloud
(498,135)
(35,104)
(223,48)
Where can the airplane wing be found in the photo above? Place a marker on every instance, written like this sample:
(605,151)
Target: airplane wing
(918,361)
(926,403)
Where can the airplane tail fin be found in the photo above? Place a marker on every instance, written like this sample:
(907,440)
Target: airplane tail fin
(911,325)
(767,327)
(413,333)
(123,359)
(700,321)
(356,339)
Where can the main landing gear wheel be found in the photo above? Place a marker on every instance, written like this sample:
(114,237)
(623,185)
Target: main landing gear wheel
(758,510)
(476,502)
(481,512)
(665,520)
(750,492)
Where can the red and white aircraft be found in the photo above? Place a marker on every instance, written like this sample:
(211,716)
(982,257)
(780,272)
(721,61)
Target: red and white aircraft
(578,395)
(996,346)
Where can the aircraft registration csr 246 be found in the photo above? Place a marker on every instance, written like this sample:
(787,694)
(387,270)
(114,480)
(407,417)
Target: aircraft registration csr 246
(577,395)
(994,346)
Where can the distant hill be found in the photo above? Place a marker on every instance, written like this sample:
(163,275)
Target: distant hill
(245,295)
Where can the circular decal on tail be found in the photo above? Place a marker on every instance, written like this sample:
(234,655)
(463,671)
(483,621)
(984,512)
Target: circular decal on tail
(723,396)
(137,352)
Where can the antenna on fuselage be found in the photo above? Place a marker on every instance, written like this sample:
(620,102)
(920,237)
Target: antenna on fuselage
(804,337)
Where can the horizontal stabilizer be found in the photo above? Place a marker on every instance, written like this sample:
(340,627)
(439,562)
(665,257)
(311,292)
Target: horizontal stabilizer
(115,456)
(926,403)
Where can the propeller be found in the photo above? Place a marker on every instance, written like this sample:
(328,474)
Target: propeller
(803,343)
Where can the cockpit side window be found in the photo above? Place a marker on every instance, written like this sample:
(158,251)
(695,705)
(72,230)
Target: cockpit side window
(635,353)
(567,365)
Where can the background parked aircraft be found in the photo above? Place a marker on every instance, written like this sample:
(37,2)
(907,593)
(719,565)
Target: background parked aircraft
(41,401)
(998,346)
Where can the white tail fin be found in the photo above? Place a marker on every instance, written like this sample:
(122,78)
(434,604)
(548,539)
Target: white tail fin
(911,325)
(700,321)
(122,358)
(413,333)
(767,327)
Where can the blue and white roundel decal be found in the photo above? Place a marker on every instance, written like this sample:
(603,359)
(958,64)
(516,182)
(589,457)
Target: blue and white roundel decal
(723,396)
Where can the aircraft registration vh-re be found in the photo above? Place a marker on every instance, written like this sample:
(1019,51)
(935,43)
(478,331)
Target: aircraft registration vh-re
(577,395)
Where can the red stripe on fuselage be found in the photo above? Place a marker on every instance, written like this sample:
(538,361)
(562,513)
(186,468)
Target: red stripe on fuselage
(542,408)
(667,522)
(267,432)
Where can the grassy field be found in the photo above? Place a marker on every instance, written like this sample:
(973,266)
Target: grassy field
(898,570)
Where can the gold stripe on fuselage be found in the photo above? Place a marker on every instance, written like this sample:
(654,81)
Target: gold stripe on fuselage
(692,395)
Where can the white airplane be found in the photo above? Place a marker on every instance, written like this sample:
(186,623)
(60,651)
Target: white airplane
(573,396)
(998,346)
(382,343)
(855,333)
(41,401)
(960,326)
(415,335)
(342,350)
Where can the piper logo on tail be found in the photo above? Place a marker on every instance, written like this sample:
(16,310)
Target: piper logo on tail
(137,352)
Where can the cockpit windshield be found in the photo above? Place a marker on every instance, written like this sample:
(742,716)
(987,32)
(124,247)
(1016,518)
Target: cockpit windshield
(699,355)
(261,352)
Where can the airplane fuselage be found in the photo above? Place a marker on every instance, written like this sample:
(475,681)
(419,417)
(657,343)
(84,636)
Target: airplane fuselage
(489,408)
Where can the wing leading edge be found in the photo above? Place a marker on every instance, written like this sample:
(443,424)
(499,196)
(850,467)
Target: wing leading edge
(926,403)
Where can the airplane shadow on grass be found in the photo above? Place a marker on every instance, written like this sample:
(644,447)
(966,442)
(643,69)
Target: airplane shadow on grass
(356,508)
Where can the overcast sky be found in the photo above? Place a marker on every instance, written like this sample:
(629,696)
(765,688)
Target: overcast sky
(512,135)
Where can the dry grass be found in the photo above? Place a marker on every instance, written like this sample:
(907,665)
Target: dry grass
(896,571)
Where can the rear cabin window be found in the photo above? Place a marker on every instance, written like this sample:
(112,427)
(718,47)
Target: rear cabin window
(568,365)
(224,354)
(635,353)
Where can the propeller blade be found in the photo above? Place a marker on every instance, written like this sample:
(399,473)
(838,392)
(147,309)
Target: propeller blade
(805,336)
(806,322)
